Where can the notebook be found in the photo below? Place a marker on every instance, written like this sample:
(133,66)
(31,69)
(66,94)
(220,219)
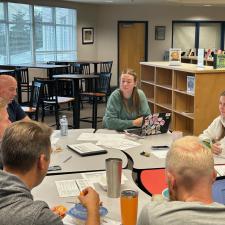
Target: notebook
(157,123)
(86,149)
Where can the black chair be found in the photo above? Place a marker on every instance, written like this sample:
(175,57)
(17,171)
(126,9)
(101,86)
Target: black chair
(35,100)
(24,84)
(102,90)
(63,70)
(52,101)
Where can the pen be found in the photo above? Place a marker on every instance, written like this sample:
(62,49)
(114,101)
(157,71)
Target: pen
(67,159)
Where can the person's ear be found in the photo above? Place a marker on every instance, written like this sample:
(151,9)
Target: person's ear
(171,181)
(42,162)
(214,174)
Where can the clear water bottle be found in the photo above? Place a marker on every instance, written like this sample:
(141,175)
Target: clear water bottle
(64,126)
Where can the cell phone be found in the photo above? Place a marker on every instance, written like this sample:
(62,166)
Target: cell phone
(54,168)
(159,147)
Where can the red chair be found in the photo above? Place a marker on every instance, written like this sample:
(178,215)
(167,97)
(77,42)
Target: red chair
(154,181)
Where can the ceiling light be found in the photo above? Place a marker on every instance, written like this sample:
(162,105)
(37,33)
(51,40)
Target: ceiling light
(207,5)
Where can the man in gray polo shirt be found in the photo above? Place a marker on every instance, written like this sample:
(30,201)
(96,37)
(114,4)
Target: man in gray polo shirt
(190,174)
(26,150)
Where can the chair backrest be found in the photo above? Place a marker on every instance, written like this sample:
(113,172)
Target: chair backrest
(50,90)
(103,83)
(36,94)
(22,76)
(75,68)
(106,67)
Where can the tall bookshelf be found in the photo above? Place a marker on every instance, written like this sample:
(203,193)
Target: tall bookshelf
(166,90)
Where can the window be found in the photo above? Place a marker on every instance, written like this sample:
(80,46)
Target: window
(198,34)
(210,35)
(36,34)
(184,36)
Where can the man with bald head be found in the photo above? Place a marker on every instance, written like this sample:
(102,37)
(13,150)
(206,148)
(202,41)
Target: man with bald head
(8,87)
(190,175)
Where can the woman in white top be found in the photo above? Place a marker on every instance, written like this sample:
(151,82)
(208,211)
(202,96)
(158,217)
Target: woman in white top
(215,133)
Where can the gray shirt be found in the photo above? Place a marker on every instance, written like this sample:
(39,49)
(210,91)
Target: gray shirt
(17,206)
(182,213)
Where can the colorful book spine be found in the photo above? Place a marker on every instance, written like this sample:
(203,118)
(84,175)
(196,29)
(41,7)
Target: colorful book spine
(219,61)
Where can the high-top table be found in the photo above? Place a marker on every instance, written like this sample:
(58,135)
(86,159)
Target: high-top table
(51,68)
(72,62)
(78,163)
(6,71)
(47,192)
(76,91)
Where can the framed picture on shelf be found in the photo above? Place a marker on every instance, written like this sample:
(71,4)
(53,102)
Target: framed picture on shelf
(160,32)
(87,35)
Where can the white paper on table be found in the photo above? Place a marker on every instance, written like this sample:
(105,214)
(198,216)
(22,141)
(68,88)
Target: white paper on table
(108,221)
(160,153)
(67,188)
(121,144)
(99,137)
(220,169)
(100,177)
(83,183)
(68,220)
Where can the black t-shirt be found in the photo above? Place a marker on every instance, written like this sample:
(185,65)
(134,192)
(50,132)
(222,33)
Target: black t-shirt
(15,111)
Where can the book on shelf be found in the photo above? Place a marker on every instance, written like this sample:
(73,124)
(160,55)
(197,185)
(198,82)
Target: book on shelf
(208,54)
(191,52)
(190,84)
(219,61)
(174,56)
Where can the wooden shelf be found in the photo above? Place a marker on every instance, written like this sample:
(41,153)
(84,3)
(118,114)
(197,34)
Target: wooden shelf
(151,100)
(183,92)
(165,106)
(168,87)
(147,82)
(165,87)
(186,114)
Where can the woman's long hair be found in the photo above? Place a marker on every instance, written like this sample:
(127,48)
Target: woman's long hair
(135,104)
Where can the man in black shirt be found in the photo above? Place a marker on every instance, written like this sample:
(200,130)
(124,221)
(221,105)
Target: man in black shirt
(8,86)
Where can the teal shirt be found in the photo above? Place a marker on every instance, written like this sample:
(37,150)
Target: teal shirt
(117,118)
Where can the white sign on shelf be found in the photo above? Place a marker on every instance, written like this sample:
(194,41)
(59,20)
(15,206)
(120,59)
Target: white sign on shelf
(200,57)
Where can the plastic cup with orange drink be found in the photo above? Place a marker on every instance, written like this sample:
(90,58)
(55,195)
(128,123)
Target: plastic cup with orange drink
(129,207)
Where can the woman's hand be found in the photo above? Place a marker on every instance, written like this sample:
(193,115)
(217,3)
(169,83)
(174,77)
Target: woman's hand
(216,148)
(138,122)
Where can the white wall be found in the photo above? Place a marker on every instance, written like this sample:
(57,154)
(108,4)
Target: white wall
(108,17)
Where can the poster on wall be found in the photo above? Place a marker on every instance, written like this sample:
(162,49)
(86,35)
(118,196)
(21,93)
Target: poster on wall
(87,35)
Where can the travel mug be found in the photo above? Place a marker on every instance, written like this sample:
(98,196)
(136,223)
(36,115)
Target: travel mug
(113,176)
(129,207)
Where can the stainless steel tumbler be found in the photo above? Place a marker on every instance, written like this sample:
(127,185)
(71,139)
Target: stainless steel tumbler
(113,176)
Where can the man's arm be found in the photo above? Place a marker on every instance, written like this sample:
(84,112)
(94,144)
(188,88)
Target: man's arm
(90,199)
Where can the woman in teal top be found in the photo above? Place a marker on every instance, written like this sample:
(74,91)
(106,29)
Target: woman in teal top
(127,105)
